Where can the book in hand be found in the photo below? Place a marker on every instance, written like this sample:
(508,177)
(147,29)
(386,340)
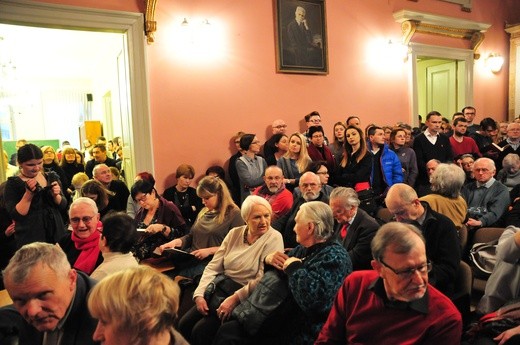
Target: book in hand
(175,253)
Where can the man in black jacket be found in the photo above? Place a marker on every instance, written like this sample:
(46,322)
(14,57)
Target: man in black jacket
(310,186)
(354,227)
(442,242)
(49,296)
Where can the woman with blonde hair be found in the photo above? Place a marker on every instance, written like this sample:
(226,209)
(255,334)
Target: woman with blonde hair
(338,145)
(69,163)
(295,162)
(213,223)
(51,163)
(130,312)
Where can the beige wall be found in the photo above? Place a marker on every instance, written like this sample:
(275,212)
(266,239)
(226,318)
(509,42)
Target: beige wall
(197,104)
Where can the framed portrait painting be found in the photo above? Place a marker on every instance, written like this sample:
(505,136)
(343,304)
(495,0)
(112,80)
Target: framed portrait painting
(301,37)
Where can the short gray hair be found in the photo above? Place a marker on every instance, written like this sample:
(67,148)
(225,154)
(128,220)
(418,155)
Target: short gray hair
(30,255)
(348,196)
(447,180)
(250,202)
(84,200)
(510,160)
(320,214)
(97,167)
(395,234)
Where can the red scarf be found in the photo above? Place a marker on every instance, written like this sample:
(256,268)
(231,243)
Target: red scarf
(89,251)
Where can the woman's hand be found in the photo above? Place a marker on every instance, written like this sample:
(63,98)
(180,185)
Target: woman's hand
(201,254)
(30,185)
(276,259)
(172,244)
(55,188)
(201,305)
(10,230)
(505,336)
(154,228)
(227,306)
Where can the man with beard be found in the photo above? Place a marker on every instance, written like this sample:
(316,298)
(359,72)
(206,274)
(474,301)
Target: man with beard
(392,304)
(273,190)
(49,296)
(310,187)
(460,143)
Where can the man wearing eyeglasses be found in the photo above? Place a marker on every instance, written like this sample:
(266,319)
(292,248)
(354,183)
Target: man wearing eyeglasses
(394,303)
(313,119)
(310,187)
(442,242)
(81,245)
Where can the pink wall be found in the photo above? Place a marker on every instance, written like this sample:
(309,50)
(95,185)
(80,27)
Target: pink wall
(197,106)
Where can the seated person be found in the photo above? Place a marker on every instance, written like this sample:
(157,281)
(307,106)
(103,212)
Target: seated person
(509,175)
(50,298)
(184,196)
(129,312)
(159,218)
(504,283)
(240,257)
(354,227)
(446,182)
(320,169)
(274,191)
(392,304)
(94,190)
(213,223)
(81,245)
(118,236)
(315,270)
(485,205)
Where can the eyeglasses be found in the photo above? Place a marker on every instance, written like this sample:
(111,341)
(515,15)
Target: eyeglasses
(143,199)
(322,173)
(407,274)
(85,219)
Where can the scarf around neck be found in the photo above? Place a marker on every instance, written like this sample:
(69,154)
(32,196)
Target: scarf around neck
(89,251)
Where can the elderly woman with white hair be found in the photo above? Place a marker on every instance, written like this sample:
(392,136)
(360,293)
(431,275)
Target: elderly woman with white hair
(240,258)
(509,175)
(315,270)
(446,183)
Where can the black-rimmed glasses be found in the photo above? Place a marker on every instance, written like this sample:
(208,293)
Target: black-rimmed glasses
(408,273)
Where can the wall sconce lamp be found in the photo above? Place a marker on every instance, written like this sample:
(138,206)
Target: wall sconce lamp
(494,62)
(185,22)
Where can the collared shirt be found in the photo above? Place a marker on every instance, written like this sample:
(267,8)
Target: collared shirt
(432,138)
(419,305)
(513,144)
(488,184)
(55,336)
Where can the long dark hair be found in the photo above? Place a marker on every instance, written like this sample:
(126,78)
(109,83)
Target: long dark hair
(360,154)
(28,152)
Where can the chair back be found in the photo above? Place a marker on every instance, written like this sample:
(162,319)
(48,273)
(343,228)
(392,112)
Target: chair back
(484,235)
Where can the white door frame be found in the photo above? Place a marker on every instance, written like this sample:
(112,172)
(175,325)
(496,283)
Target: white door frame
(23,12)
(418,49)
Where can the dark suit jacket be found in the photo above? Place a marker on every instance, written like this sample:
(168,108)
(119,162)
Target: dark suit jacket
(425,151)
(78,328)
(286,223)
(357,241)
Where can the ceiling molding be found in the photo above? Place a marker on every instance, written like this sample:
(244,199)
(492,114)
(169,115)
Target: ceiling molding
(420,22)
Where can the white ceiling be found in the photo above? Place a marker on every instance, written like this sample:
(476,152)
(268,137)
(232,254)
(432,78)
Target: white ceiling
(54,53)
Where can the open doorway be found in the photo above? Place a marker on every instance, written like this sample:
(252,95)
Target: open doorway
(441,78)
(135,124)
(440,85)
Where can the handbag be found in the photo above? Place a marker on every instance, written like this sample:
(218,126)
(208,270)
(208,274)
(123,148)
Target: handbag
(483,257)
(145,246)
(266,310)
(218,290)
(367,200)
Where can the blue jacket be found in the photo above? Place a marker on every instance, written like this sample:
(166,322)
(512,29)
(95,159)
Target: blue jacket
(391,165)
